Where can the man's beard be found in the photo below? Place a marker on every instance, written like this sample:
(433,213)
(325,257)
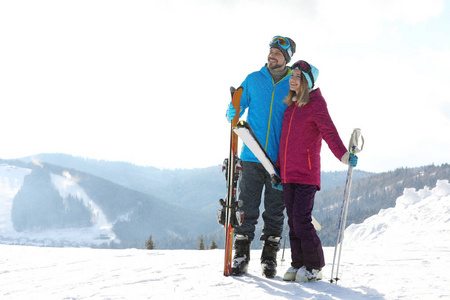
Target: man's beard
(276,66)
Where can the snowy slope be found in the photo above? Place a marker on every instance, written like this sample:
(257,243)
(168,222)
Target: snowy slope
(401,253)
(11,179)
(425,213)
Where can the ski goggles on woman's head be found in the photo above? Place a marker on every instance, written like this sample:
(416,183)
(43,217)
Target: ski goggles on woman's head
(281,41)
(304,67)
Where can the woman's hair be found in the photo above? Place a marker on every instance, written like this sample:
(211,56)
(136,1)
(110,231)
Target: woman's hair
(303,97)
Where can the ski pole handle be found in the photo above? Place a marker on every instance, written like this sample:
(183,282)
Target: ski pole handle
(353,146)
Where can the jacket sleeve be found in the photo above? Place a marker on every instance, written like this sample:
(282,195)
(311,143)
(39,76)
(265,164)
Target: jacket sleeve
(245,97)
(328,130)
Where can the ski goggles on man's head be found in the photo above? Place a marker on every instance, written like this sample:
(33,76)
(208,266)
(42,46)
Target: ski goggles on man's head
(281,41)
(304,67)
(284,45)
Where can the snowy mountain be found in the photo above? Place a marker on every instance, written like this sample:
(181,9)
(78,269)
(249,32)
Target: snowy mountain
(43,204)
(401,253)
(33,220)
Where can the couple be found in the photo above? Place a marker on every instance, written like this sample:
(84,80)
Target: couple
(290,118)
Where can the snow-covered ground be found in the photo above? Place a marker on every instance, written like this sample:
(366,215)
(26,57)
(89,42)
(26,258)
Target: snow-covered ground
(401,253)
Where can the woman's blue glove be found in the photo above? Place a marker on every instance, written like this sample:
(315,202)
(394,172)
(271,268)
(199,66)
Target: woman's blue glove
(353,160)
(349,159)
(231,113)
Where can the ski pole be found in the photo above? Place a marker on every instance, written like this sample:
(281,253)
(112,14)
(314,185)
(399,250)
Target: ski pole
(341,227)
(284,245)
(353,148)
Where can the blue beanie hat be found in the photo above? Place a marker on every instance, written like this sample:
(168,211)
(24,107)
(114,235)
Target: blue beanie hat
(308,70)
(315,74)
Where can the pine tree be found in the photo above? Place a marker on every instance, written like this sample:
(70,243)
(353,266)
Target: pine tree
(201,243)
(213,245)
(149,244)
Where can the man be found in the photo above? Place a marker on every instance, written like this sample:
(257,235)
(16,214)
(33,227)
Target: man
(263,95)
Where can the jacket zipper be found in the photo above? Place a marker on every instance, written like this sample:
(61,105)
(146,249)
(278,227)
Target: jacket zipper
(271,106)
(309,160)
(270,119)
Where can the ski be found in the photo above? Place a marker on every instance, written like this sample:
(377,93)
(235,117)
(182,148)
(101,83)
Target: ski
(231,215)
(245,132)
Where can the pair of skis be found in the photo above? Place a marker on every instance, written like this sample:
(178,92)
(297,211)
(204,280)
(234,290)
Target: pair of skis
(230,215)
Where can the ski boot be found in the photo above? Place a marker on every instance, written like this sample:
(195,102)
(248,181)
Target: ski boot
(290,274)
(241,255)
(305,274)
(269,256)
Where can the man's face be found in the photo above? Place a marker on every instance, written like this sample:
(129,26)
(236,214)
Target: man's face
(276,60)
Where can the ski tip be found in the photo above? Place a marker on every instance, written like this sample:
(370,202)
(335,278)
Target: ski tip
(242,124)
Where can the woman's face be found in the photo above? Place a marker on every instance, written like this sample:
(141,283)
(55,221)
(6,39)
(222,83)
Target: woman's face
(295,81)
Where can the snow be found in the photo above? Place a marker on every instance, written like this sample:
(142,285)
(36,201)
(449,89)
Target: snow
(11,179)
(400,253)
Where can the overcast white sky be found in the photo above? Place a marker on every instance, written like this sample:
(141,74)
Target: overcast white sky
(148,81)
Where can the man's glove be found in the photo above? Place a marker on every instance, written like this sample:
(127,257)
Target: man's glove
(231,113)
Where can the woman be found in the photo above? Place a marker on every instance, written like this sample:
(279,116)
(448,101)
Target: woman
(306,122)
